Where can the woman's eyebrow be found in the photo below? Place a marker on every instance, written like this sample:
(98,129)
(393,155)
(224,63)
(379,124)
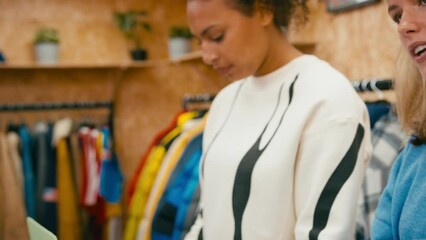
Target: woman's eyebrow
(206,30)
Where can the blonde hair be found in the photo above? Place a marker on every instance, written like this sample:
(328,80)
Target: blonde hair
(410,89)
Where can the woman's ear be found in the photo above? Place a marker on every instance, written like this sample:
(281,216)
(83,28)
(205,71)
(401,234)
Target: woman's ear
(266,14)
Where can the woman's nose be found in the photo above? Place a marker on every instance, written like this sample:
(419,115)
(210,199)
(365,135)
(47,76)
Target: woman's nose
(408,24)
(208,58)
(208,54)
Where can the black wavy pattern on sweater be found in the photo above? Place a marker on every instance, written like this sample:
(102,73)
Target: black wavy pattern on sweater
(334,184)
(242,183)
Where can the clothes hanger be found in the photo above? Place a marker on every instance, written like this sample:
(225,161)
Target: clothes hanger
(375,89)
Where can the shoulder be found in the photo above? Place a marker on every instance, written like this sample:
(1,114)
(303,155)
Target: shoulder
(314,65)
(229,91)
(412,154)
(325,88)
(327,98)
(224,97)
(320,76)
(220,108)
(409,161)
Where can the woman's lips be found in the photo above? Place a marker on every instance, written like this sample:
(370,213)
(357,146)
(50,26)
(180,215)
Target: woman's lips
(223,70)
(417,51)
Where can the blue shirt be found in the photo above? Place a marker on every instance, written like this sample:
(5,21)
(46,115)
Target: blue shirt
(401,213)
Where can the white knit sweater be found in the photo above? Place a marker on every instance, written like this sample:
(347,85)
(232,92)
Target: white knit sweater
(284,156)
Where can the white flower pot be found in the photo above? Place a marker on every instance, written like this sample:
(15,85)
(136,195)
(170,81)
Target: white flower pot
(46,53)
(179,47)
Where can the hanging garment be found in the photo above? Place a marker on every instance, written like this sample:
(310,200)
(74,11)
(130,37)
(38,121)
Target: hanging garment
(41,149)
(155,141)
(170,215)
(91,164)
(14,145)
(147,177)
(376,110)
(76,160)
(69,221)
(387,139)
(115,230)
(12,207)
(49,217)
(167,166)
(192,172)
(111,179)
(28,168)
(191,149)
(191,212)
(141,194)
(93,203)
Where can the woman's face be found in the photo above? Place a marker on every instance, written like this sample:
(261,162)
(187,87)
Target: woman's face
(410,16)
(234,44)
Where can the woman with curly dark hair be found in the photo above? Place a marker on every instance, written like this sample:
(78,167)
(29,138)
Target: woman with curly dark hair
(286,143)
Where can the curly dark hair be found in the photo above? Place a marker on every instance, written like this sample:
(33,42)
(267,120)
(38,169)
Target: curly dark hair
(283,10)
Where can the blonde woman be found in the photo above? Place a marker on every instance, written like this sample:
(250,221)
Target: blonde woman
(401,213)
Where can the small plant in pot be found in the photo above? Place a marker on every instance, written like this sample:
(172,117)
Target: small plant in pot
(133,24)
(179,41)
(46,45)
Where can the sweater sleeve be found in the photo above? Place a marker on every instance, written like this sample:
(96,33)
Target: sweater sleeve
(329,170)
(382,225)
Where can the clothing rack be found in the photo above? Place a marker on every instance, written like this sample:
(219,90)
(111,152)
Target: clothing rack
(54,106)
(62,106)
(371,85)
(187,100)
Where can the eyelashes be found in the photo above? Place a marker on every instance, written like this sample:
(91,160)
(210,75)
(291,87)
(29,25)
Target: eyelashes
(398,15)
(217,38)
(397,18)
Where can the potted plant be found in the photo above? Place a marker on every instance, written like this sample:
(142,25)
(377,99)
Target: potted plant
(179,41)
(46,44)
(132,24)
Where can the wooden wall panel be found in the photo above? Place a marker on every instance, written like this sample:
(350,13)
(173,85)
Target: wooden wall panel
(150,97)
(87,31)
(361,43)
(161,15)
(53,85)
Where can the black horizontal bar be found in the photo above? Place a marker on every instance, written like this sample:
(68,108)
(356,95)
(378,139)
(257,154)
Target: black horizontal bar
(54,106)
(372,85)
(197,98)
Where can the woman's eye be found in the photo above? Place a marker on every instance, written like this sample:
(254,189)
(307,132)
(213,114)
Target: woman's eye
(217,38)
(198,41)
(397,17)
(422,2)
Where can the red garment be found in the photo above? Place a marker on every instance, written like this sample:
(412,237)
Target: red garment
(132,183)
(90,162)
(90,199)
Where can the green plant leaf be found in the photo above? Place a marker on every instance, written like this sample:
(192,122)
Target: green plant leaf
(180,31)
(46,35)
(132,23)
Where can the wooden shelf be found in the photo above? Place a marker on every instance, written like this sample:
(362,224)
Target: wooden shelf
(29,66)
(196,55)
(119,65)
